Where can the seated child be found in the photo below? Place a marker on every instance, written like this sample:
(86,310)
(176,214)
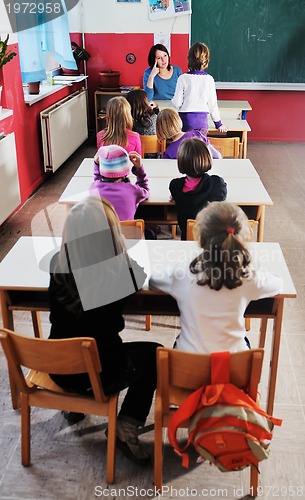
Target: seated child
(112,165)
(169,128)
(119,126)
(214,289)
(192,192)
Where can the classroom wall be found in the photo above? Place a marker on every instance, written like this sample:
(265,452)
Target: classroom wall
(113,29)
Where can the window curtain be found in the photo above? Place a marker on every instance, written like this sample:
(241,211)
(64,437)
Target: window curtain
(52,36)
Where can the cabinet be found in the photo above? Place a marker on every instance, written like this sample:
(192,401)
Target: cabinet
(9,186)
(100,102)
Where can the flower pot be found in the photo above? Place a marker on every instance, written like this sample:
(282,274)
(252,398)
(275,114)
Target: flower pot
(109,80)
(34,87)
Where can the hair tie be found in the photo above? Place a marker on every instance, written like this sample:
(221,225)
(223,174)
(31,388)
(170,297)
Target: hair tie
(230,230)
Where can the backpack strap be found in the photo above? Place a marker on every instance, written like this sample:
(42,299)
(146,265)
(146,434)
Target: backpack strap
(184,412)
(204,396)
(220,367)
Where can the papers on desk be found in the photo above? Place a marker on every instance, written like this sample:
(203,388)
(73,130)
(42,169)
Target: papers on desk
(68,80)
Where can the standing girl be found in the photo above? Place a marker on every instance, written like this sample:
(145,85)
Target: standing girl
(195,96)
(215,288)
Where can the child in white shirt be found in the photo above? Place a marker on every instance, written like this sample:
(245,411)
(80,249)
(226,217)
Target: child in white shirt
(214,290)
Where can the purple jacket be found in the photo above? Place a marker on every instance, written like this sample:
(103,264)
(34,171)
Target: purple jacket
(124,196)
(171,151)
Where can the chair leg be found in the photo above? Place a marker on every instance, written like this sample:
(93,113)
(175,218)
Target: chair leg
(253,481)
(148,322)
(247,324)
(25,431)
(36,324)
(15,394)
(112,416)
(263,331)
(174,231)
(158,454)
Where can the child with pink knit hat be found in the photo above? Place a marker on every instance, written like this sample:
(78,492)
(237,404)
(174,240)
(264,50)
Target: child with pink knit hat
(111,173)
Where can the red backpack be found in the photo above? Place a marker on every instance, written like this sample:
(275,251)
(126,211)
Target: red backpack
(226,426)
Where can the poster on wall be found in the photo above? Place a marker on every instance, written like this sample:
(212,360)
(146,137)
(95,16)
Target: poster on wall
(159,9)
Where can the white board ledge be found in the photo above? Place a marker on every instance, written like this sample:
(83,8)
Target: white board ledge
(259,86)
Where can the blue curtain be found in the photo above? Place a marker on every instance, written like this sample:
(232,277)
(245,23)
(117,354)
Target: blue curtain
(52,36)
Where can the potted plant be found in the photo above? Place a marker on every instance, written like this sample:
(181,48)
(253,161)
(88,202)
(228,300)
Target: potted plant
(109,79)
(5,54)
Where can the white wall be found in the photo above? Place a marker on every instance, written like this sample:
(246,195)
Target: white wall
(108,16)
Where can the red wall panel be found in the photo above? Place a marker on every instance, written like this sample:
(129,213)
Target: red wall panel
(276,115)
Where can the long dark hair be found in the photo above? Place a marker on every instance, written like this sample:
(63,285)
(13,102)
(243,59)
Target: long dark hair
(140,109)
(152,55)
(222,230)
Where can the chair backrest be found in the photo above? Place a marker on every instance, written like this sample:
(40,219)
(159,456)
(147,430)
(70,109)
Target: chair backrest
(190,229)
(150,144)
(64,356)
(133,228)
(227,146)
(180,373)
(191,222)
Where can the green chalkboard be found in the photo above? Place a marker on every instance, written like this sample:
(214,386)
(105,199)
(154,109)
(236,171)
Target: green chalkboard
(252,40)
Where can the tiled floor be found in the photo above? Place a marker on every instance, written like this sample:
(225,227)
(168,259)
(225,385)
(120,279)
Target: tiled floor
(68,462)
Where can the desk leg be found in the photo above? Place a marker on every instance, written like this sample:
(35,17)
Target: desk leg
(261,223)
(7,315)
(277,328)
(244,140)
(8,322)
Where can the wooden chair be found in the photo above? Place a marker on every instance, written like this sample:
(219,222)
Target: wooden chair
(134,229)
(65,356)
(150,144)
(180,373)
(227,146)
(190,236)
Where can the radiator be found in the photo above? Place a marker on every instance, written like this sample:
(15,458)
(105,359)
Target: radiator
(64,127)
(9,181)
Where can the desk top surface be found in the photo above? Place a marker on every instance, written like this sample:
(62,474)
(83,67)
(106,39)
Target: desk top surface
(30,256)
(233,125)
(226,167)
(222,104)
(242,191)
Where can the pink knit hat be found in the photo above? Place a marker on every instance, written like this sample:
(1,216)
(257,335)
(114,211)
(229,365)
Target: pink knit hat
(114,161)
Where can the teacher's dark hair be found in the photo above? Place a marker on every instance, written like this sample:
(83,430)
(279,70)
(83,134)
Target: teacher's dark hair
(152,55)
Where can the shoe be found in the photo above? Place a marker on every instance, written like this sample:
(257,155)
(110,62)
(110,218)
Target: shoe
(128,442)
(73,417)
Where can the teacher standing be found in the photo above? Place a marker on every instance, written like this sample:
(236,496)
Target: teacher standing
(159,80)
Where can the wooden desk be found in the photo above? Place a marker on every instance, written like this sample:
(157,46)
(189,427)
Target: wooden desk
(24,280)
(233,115)
(228,109)
(225,167)
(236,127)
(158,209)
